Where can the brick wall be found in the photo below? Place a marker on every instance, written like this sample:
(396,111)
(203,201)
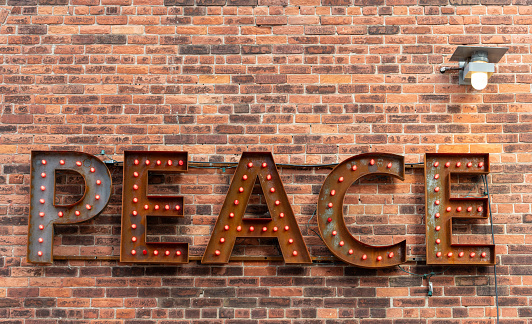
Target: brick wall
(311,81)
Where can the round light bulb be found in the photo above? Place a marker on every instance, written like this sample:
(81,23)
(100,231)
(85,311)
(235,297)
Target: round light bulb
(479,80)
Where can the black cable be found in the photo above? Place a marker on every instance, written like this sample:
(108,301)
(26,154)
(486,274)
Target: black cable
(308,224)
(485,178)
(219,165)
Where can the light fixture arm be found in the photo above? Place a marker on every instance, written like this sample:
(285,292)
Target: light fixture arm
(444,69)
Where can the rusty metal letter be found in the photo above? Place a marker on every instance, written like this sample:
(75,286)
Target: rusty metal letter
(331,222)
(441,209)
(44,213)
(232,224)
(137,205)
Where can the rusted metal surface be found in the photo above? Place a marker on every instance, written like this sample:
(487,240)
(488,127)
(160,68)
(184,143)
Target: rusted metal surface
(231,223)
(441,209)
(331,222)
(44,213)
(137,206)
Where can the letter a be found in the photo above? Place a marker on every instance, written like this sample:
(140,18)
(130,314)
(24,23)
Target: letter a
(232,224)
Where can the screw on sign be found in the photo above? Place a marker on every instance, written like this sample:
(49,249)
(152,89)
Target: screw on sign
(137,206)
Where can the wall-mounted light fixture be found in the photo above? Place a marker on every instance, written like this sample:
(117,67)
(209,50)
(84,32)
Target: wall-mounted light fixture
(476,64)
